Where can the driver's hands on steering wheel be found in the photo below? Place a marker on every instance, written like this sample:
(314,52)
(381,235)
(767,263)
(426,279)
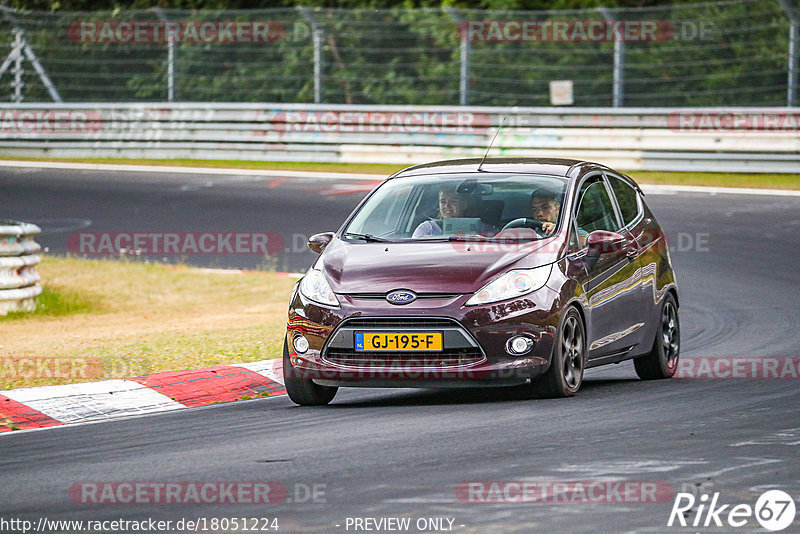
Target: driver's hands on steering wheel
(548,227)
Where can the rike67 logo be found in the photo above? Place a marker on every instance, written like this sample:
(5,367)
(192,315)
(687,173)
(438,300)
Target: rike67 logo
(774,511)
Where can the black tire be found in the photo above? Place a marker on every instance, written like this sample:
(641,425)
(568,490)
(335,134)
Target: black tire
(662,360)
(564,376)
(303,391)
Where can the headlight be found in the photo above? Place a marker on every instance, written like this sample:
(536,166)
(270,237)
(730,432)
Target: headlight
(512,284)
(314,287)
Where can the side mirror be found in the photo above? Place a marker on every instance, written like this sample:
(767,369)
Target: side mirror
(317,242)
(602,242)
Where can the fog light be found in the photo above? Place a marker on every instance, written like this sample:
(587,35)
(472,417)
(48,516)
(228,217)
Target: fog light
(300,344)
(519,345)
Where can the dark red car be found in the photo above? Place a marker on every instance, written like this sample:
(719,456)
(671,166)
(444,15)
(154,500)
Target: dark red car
(507,272)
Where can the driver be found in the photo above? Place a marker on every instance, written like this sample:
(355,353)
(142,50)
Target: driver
(544,208)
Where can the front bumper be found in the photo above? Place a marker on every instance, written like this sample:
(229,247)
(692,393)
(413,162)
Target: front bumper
(475,341)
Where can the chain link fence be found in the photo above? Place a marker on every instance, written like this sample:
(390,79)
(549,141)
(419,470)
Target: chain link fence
(728,53)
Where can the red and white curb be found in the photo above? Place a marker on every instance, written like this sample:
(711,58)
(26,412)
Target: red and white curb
(95,401)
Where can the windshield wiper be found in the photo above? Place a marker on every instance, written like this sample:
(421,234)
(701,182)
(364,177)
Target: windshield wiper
(468,238)
(369,238)
(509,239)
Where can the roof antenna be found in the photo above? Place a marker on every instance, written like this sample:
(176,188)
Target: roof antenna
(488,148)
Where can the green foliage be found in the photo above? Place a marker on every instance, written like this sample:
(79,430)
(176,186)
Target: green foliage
(723,53)
(54,302)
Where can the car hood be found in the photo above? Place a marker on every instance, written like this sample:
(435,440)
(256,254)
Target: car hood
(431,267)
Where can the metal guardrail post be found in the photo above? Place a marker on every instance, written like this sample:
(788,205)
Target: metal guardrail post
(19,281)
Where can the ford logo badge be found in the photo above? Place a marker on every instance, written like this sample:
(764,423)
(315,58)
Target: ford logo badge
(401,296)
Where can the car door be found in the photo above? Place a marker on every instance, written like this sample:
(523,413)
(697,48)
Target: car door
(638,230)
(612,283)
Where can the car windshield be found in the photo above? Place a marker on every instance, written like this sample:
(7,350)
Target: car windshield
(461,206)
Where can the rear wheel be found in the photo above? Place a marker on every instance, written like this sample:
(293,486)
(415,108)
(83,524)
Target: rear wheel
(303,391)
(565,375)
(662,360)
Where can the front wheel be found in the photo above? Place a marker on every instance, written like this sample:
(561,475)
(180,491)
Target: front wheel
(303,391)
(565,374)
(662,360)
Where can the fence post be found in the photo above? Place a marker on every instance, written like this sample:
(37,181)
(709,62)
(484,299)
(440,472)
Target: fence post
(170,54)
(21,46)
(171,67)
(617,92)
(317,36)
(17,70)
(463,85)
(791,66)
(318,66)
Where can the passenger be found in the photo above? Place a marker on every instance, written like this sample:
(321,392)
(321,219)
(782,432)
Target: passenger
(451,205)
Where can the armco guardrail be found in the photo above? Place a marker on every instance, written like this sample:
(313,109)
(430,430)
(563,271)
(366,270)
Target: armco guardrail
(19,281)
(712,139)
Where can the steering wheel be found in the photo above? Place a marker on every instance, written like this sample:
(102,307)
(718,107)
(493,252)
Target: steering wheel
(523,222)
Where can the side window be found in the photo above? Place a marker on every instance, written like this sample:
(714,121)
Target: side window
(626,198)
(596,211)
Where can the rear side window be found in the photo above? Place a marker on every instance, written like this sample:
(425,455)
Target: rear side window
(626,198)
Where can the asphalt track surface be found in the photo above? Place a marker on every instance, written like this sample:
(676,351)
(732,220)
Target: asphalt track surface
(403,453)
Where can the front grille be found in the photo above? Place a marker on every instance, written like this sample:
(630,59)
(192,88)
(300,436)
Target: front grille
(405,360)
(420,296)
(399,322)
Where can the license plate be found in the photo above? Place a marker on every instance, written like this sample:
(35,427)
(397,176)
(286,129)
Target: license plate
(398,341)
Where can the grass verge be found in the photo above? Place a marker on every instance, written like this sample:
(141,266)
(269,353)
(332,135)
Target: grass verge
(756,180)
(368,168)
(101,319)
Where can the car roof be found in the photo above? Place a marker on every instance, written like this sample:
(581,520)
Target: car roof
(551,166)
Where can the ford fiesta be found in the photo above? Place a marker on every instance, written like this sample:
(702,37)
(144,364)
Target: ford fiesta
(519,272)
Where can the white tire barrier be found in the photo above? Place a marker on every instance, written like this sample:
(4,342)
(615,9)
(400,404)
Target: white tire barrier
(19,280)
